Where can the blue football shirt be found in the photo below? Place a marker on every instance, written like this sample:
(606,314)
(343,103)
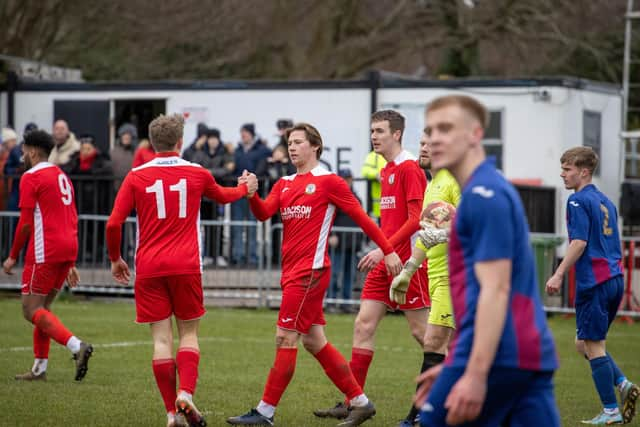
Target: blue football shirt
(593,218)
(490,224)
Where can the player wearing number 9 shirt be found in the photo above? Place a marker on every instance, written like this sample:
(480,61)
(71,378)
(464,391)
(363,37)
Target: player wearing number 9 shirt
(48,219)
(166,194)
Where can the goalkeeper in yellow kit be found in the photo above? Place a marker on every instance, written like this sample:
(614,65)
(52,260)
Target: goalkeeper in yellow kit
(431,245)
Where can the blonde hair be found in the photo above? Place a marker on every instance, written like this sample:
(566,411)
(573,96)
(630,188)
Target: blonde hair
(581,157)
(166,131)
(467,103)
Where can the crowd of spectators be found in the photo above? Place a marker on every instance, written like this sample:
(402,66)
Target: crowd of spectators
(97,175)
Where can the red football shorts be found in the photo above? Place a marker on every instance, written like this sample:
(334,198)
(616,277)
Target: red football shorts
(377,284)
(157,298)
(40,279)
(302,298)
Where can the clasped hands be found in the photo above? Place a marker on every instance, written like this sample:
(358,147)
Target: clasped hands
(251,180)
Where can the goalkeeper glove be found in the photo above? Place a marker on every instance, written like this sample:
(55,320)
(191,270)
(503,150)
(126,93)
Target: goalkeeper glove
(431,236)
(400,283)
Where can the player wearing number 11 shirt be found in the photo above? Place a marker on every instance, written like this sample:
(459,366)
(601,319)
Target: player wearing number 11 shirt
(48,219)
(166,194)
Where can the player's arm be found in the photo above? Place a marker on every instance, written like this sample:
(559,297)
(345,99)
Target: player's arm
(23,231)
(214,191)
(578,225)
(124,203)
(265,209)
(25,223)
(343,198)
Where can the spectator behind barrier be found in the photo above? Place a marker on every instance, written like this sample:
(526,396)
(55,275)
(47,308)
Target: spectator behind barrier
(13,168)
(66,145)
(122,152)
(93,196)
(9,140)
(249,152)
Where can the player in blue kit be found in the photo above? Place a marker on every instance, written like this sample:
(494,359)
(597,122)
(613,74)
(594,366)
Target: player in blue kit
(594,248)
(500,365)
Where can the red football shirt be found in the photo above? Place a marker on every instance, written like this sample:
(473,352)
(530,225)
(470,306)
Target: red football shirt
(166,194)
(307,204)
(49,192)
(402,181)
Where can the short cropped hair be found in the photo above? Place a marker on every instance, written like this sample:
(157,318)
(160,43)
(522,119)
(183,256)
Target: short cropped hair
(581,157)
(311,133)
(395,119)
(467,103)
(166,131)
(39,139)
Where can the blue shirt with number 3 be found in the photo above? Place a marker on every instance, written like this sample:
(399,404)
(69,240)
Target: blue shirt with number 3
(593,218)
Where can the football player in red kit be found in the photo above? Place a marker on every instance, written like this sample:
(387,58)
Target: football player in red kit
(48,219)
(166,194)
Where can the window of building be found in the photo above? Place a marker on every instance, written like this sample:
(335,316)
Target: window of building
(591,132)
(493,138)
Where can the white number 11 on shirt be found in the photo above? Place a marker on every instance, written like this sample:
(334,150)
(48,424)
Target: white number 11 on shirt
(180,187)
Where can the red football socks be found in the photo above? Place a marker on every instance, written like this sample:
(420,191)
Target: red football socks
(360,360)
(187,360)
(165,372)
(280,375)
(41,344)
(337,369)
(48,323)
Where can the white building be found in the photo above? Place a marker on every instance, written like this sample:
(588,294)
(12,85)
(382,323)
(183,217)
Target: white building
(533,120)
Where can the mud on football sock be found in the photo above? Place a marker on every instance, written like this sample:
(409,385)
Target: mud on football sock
(338,371)
(164,370)
(280,375)
(602,374)
(51,325)
(41,344)
(360,361)
(187,360)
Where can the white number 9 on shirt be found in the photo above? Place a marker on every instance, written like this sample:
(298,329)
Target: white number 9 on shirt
(65,189)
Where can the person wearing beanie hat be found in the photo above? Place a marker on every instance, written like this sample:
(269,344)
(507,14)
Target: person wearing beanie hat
(249,128)
(8,135)
(29,127)
(122,152)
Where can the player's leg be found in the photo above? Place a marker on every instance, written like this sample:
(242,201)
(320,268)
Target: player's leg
(592,320)
(629,392)
(187,361)
(440,327)
(187,301)
(301,307)
(279,378)
(39,281)
(41,346)
(337,369)
(163,363)
(369,316)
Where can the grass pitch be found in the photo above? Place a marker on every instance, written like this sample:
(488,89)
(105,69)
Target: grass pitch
(237,349)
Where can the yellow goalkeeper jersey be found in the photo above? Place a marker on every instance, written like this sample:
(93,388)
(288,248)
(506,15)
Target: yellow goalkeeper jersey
(443,187)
